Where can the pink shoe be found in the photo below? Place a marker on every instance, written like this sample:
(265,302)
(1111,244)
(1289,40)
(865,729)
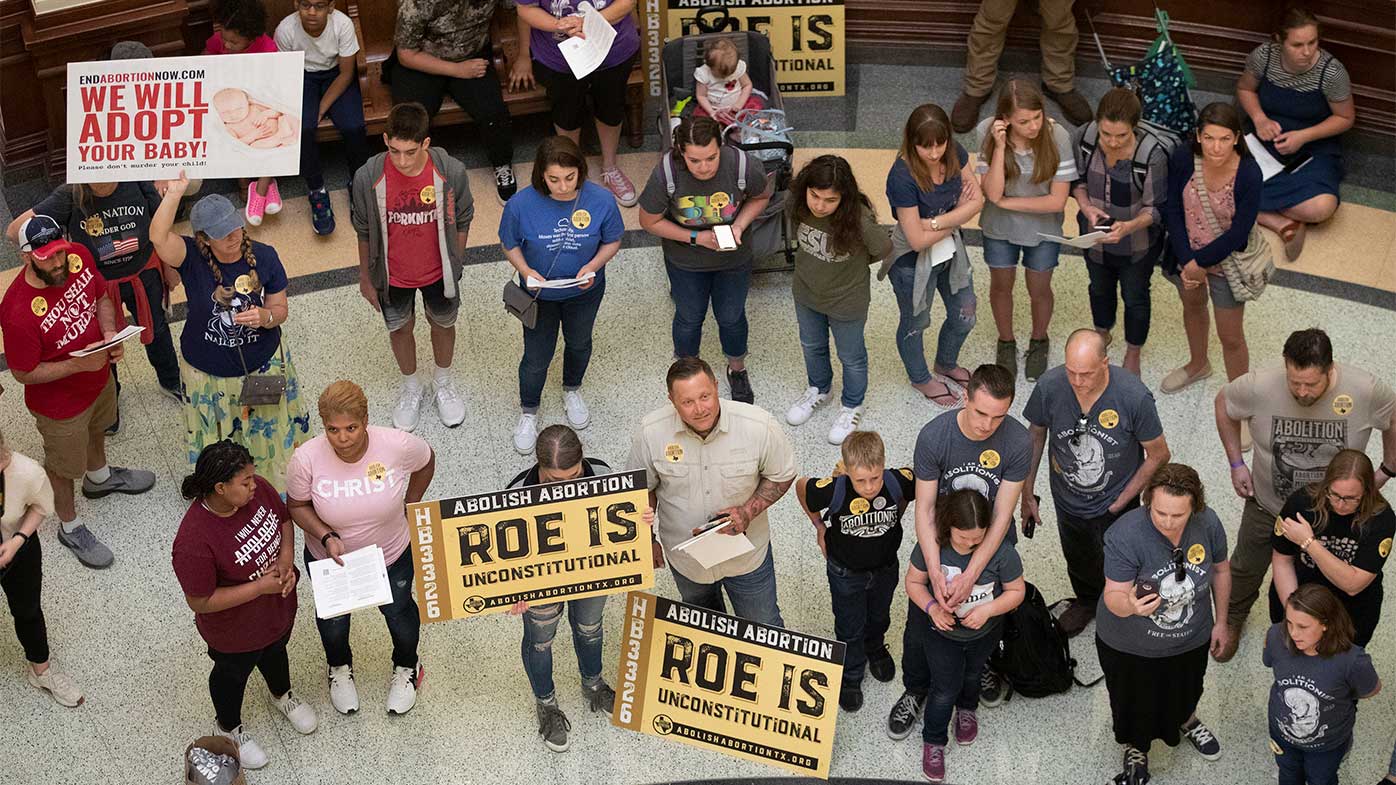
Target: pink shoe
(966,727)
(273,199)
(256,205)
(933,762)
(620,186)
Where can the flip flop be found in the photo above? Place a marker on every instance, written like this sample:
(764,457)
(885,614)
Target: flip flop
(959,376)
(1294,244)
(1287,231)
(946,397)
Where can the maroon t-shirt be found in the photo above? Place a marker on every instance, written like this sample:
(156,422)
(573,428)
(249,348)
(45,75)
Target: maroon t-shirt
(414,242)
(211,552)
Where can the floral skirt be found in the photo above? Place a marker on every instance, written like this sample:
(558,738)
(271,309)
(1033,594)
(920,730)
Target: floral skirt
(271,433)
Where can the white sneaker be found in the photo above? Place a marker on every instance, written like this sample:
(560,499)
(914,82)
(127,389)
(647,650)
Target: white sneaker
(409,406)
(449,407)
(578,415)
(250,753)
(60,685)
(402,688)
(845,423)
(800,412)
(301,716)
(344,696)
(526,433)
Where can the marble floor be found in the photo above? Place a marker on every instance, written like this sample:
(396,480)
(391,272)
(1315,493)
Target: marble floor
(127,637)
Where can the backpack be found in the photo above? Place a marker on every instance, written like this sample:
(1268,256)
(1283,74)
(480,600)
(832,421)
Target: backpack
(1034,655)
(1149,137)
(842,486)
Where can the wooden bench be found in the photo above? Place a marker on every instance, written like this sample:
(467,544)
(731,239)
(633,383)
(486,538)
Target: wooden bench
(374,24)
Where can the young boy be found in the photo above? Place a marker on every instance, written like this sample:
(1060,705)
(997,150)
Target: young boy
(411,209)
(327,37)
(857,522)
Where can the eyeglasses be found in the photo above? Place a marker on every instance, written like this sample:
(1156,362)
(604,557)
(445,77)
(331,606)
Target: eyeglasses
(1080,431)
(318,8)
(1179,571)
(1336,499)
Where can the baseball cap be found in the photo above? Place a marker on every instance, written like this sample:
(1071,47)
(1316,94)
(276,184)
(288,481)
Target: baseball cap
(38,233)
(215,216)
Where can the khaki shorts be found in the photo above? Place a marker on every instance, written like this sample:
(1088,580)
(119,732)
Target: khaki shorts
(65,441)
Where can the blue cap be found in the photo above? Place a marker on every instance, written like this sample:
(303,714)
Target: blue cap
(215,216)
(37,232)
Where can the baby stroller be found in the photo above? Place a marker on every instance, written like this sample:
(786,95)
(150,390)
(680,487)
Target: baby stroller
(768,141)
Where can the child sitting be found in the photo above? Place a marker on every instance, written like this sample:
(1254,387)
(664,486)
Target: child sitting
(723,87)
(326,35)
(242,30)
(857,522)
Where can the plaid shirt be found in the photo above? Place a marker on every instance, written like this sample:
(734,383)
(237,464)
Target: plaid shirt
(1113,191)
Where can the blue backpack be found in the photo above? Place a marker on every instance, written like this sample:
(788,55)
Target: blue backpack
(842,486)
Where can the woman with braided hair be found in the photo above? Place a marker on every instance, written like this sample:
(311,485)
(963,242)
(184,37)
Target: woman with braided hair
(237,303)
(234,558)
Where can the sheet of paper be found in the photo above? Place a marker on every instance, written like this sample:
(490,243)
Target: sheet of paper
(1269,167)
(943,251)
(584,55)
(131,331)
(1090,240)
(558,283)
(714,546)
(361,583)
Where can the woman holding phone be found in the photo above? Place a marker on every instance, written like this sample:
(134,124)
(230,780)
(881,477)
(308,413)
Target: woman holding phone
(1167,583)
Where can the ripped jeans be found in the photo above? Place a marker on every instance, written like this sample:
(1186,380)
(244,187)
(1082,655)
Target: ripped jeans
(959,318)
(540,627)
(404,625)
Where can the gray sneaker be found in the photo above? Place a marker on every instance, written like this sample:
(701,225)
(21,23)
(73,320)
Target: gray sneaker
(122,480)
(600,698)
(85,545)
(553,727)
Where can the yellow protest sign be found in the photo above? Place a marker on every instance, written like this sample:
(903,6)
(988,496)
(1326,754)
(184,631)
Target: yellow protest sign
(807,39)
(476,555)
(724,683)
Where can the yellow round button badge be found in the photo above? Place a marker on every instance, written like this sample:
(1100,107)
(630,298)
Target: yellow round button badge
(1342,404)
(1196,553)
(989,459)
(74,263)
(581,219)
(243,284)
(1109,418)
(377,471)
(427,194)
(858,506)
(673,453)
(39,306)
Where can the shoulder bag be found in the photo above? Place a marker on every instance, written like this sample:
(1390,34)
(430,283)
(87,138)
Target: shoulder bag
(1247,270)
(262,389)
(517,300)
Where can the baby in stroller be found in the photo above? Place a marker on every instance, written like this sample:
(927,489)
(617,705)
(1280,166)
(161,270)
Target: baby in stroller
(722,86)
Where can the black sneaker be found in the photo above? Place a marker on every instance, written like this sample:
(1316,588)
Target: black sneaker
(905,713)
(881,665)
(505,185)
(851,697)
(993,689)
(1136,768)
(1035,360)
(321,212)
(740,383)
(1202,740)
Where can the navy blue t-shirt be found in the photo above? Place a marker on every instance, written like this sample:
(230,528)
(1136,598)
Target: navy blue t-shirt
(902,190)
(211,339)
(547,229)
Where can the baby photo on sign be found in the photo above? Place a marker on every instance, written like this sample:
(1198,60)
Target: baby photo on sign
(252,122)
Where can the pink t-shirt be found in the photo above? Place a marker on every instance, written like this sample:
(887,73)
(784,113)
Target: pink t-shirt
(260,45)
(362,501)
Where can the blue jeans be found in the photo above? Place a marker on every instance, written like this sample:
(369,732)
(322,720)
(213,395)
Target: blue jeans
(540,627)
(347,114)
(753,595)
(404,625)
(955,667)
(853,353)
(575,316)
(959,319)
(1040,258)
(1303,767)
(692,291)
(862,612)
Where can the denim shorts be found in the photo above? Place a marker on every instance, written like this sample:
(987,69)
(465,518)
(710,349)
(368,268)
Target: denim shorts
(1003,255)
(1217,288)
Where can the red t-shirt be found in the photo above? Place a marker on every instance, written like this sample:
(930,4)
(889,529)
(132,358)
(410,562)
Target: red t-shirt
(211,552)
(47,324)
(414,242)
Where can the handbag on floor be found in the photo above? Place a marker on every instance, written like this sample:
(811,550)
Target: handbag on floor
(1249,269)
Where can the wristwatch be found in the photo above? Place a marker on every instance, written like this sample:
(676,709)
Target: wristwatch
(692,238)
(935,223)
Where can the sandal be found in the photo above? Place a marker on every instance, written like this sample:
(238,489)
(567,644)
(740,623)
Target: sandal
(959,376)
(947,396)
(1294,244)
(1287,231)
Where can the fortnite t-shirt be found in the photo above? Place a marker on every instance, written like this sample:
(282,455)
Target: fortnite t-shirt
(1003,567)
(1367,552)
(1092,462)
(944,453)
(414,241)
(703,204)
(115,227)
(863,534)
(1313,702)
(1294,444)
(1135,550)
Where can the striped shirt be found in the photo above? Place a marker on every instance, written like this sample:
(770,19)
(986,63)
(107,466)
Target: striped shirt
(1327,74)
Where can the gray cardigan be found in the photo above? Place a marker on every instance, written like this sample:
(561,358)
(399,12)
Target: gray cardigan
(368,211)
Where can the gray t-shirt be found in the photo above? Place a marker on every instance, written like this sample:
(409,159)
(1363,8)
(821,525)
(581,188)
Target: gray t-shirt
(943,453)
(1134,550)
(1017,227)
(702,204)
(1003,567)
(1090,469)
(1313,702)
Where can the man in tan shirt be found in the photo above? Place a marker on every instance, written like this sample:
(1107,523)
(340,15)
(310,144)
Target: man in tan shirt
(707,457)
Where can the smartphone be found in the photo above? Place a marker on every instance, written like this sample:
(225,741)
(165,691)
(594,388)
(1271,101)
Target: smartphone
(726,241)
(1030,524)
(1146,588)
(715,521)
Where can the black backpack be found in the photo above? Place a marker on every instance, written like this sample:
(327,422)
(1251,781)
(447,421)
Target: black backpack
(1034,655)
(842,485)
